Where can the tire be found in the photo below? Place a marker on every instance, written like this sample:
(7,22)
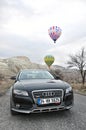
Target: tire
(13,112)
(11,105)
(67,109)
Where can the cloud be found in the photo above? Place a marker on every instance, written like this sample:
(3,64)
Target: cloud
(62,52)
(10,9)
(24,28)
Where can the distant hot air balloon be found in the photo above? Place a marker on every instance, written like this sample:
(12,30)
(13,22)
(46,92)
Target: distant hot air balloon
(49,60)
(54,32)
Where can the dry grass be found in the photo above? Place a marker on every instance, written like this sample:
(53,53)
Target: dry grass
(77,87)
(5,85)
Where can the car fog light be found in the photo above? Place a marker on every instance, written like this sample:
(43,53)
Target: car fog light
(17,105)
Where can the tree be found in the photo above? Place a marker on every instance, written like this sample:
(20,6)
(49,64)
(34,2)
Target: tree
(79,61)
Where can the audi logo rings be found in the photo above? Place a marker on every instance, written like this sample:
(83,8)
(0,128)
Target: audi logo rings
(47,94)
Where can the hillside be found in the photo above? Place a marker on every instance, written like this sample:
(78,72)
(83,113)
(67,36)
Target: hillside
(69,75)
(11,66)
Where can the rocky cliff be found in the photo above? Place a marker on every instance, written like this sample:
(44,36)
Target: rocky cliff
(12,65)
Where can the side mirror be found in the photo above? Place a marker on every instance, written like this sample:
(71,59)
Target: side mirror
(13,78)
(57,77)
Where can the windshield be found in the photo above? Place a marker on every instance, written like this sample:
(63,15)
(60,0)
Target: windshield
(35,74)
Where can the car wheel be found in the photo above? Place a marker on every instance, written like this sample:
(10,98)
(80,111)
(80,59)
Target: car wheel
(13,112)
(11,106)
(67,109)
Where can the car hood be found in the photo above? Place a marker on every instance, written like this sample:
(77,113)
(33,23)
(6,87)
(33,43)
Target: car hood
(30,85)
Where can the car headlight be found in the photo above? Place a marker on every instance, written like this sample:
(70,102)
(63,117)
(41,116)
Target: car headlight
(68,89)
(20,92)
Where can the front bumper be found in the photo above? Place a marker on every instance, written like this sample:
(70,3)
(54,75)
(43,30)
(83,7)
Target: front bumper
(27,105)
(39,110)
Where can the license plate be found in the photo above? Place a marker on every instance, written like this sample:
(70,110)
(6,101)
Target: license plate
(48,101)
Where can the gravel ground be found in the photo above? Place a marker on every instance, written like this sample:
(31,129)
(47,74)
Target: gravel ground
(75,119)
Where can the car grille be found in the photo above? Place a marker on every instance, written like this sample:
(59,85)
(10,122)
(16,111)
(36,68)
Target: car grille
(51,93)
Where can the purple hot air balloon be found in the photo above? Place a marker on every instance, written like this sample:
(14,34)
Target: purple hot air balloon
(54,32)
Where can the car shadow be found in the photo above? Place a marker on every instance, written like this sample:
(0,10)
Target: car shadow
(46,115)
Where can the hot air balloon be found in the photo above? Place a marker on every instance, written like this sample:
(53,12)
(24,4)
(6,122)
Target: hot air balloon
(49,60)
(54,32)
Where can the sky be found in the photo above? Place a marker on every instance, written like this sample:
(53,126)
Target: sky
(24,28)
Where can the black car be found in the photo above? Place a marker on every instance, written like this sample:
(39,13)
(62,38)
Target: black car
(37,91)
